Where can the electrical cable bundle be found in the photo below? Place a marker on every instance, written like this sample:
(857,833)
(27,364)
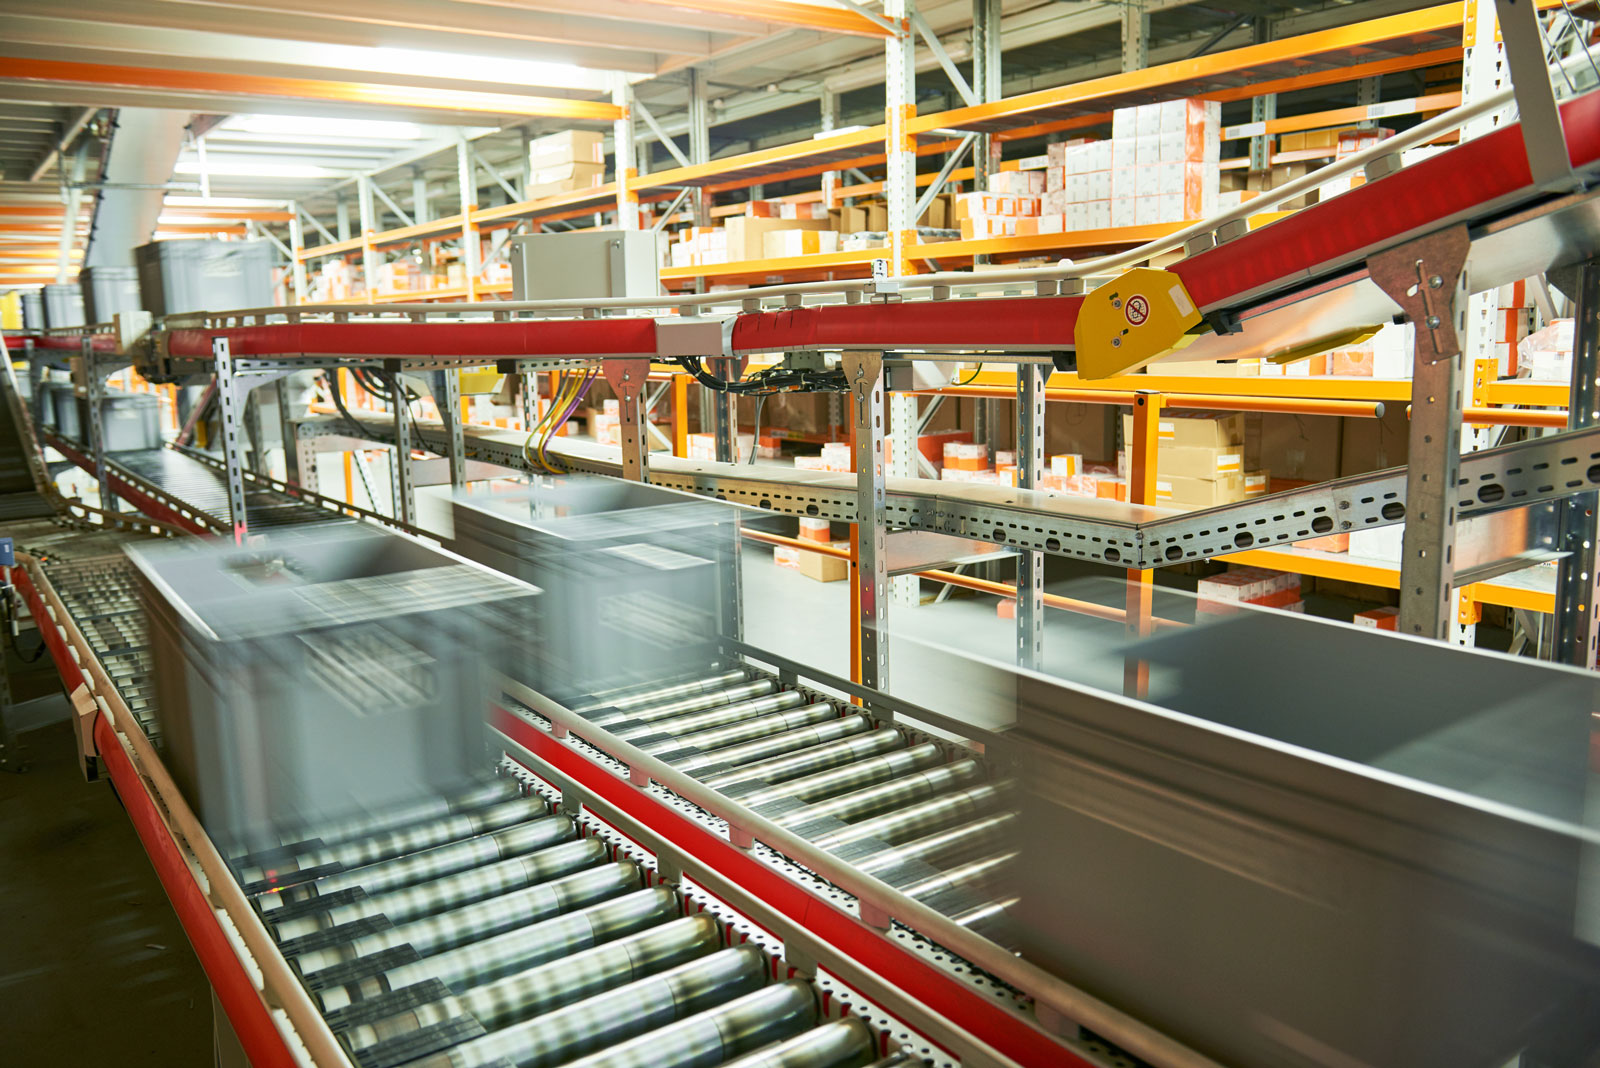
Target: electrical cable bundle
(331,379)
(770,381)
(562,405)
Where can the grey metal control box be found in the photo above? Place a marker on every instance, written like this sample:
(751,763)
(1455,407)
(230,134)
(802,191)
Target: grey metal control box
(322,674)
(591,264)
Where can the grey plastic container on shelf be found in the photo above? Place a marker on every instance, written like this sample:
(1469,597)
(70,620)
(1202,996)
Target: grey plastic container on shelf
(64,403)
(131,421)
(324,674)
(63,305)
(33,310)
(191,276)
(108,291)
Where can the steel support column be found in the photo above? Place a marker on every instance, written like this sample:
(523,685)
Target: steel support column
(627,380)
(725,412)
(622,145)
(1262,108)
(228,423)
(421,209)
(369,226)
(1030,465)
(986,88)
(467,179)
(291,454)
(900,95)
(341,217)
(297,245)
(1427,278)
(401,484)
(864,371)
(1577,624)
(1135,35)
(94,391)
(447,398)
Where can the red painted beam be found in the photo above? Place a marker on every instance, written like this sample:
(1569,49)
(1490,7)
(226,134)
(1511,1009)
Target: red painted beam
(491,340)
(939,990)
(237,995)
(66,667)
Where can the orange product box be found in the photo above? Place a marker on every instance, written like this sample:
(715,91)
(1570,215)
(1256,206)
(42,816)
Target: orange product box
(1067,463)
(816,530)
(1257,483)
(965,456)
(1007,608)
(1027,227)
(1387,618)
(1329,543)
(786,556)
(810,463)
(1355,362)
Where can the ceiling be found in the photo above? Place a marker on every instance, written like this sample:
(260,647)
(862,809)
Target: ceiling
(291,100)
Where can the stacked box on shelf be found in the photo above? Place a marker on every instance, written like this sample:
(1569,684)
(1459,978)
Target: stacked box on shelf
(1200,461)
(986,215)
(704,447)
(1387,618)
(565,162)
(1223,594)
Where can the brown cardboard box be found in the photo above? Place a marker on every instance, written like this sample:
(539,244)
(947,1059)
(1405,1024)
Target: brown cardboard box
(940,214)
(565,178)
(569,146)
(1202,430)
(1206,462)
(1282,174)
(863,218)
(1199,492)
(825,568)
(746,233)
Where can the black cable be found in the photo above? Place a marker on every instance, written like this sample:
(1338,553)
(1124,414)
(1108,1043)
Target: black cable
(770,381)
(978,371)
(6,620)
(761,398)
(331,378)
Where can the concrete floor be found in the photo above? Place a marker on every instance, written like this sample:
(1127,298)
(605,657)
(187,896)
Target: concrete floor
(94,967)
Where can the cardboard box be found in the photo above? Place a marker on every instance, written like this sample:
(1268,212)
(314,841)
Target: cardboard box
(825,568)
(1063,464)
(783,243)
(1199,492)
(816,530)
(1205,431)
(569,146)
(1354,362)
(565,178)
(747,234)
(1193,461)
(1387,618)
(1330,543)
(1257,483)
(863,218)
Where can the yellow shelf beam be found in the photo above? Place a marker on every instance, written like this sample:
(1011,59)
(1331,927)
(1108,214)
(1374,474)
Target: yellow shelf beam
(1338,567)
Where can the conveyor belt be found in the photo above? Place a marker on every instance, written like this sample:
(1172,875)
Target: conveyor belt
(190,492)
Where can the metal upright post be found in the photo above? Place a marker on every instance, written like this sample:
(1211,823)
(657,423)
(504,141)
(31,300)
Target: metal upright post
(725,414)
(341,217)
(1135,35)
(297,246)
(1263,109)
(35,383)
(468,182)
(228,419)
(369,226)
(864,372)
(622,146)
(1143,453)
(829,106)
(401,482)
(94,390)
(627,379)
(1030,465)
(447,397)
(528,394)
(900,147)
(1577,623)
(286,429)
(1427,278)
(421,210)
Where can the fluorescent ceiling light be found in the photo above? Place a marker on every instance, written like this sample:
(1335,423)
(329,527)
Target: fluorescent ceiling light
(181,201)
(256,169)
(308,124)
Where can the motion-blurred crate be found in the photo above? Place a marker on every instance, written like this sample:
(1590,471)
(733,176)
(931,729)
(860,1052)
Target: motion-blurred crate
(323,674)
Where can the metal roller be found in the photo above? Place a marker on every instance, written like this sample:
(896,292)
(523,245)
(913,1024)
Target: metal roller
(942,846)
(887,795)
(909,822)
(639,696)
(493,958)
(609,1018)
(538,990)
(747,730)
(817,758)
(396,843)
(654,710)
(370,823)
(428,864)
(853,776)
(847,1043)
(473,923)
(715,717)
(769,1015)
(964,877)
(773,745)
(449,892)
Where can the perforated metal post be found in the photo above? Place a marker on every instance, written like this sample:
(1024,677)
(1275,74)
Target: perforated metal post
(447,397)
(286,429)
(1030,465)
(864,372)
(627,379)
(1577,625)
(229,423)
(725,413)
(401,482)
(94,388)
(1426,277)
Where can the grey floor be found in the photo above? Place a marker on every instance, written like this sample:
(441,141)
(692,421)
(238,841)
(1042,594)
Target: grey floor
(94,967)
